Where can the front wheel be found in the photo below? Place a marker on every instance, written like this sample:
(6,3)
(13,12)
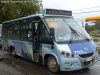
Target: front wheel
(53,65)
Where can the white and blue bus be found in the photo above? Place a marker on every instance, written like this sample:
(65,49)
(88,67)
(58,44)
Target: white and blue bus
(52,38)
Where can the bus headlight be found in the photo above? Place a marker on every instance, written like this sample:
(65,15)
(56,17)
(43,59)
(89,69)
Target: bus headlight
(62,53)
(66,54)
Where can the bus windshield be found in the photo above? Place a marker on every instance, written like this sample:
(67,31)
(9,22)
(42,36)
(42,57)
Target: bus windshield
(66,29)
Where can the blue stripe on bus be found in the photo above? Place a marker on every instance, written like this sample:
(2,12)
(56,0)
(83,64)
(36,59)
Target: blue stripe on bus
(21,48)
(25,51)
(82,48)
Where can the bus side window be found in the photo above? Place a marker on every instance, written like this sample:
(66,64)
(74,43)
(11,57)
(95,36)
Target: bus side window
(17,25)
(25,24)
(45,35)
(30,35)
(10,31)
(17,35)
(30,25)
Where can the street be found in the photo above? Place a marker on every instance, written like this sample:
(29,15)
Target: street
(97,44)
(21,66)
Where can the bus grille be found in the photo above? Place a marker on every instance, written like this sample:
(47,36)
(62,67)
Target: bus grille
(86,63)
(86,55)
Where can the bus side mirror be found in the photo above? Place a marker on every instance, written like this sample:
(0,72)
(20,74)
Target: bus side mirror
(52,34)
(52,31)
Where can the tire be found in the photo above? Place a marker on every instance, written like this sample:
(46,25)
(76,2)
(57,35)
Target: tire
(53,65)
(13,53)
(0,46)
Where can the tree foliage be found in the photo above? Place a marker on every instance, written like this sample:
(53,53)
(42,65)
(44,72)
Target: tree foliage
(91,28)
(15,10)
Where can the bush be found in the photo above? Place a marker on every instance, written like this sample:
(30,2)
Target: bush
(98,50)
(95,40)
(93,32)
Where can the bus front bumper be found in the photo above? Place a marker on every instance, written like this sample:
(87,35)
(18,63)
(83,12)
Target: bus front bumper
(71,64)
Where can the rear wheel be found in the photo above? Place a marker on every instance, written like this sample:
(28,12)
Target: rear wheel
(0,46)
(53,65)
(13,53)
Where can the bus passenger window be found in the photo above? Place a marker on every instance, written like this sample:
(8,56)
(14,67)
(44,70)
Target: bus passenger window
(30,25)
(30,35)
(17,25)
(36,25)
(17,36)
(25,24)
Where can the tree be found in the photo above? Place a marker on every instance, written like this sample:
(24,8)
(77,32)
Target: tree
(30,8)
(8,11)
(15,10)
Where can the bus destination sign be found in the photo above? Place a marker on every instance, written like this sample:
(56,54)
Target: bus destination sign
(58,12)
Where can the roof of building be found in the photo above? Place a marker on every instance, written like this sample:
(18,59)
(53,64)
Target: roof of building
(92,18)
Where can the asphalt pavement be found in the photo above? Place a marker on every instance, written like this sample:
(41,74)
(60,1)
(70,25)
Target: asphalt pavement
(21,66)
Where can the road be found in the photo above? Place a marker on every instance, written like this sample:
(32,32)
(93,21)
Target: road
(97,44)
(21,66)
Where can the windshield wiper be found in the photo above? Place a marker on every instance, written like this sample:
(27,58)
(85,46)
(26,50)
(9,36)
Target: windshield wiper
(76,32)
(83,35)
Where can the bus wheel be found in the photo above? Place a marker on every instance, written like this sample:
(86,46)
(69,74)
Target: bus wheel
(53,65)
(14,53)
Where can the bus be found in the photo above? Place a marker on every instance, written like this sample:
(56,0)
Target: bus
(52,38)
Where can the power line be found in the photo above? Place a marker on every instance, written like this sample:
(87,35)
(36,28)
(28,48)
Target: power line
(86,8)
(87,12)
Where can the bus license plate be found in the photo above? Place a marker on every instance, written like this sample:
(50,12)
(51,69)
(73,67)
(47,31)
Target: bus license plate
(88,59)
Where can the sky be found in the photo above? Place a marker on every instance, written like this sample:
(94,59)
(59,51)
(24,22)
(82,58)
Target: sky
(74,6)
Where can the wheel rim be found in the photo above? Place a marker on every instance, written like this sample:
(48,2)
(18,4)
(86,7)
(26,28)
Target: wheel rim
(53,65)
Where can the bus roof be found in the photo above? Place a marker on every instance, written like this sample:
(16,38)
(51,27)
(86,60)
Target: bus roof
(23,18)
(92,18)
(47,12)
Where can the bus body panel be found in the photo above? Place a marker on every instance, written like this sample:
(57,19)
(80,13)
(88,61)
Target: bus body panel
(22,48)
(82,48)
(78,61)
(71,64)
(66,62)
(46,49)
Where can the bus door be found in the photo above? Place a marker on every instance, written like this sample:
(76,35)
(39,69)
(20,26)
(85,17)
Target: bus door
(37,41)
